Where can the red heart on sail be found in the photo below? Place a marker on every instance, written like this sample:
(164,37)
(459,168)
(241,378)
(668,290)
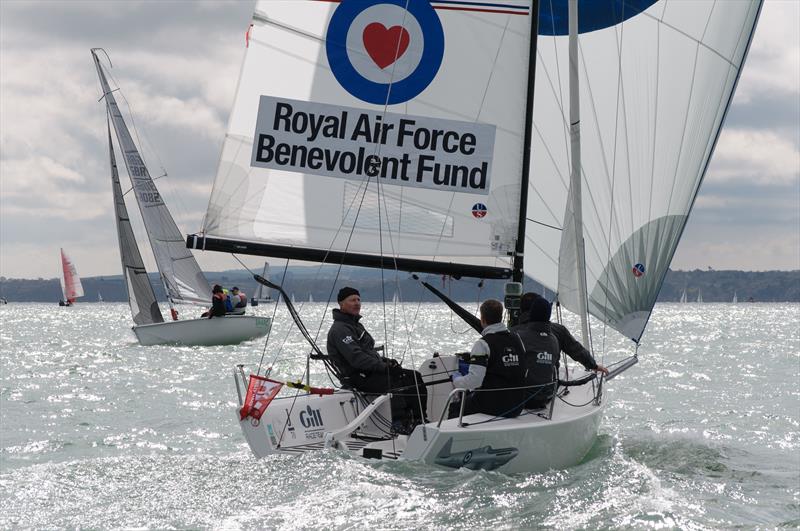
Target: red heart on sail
(385,45)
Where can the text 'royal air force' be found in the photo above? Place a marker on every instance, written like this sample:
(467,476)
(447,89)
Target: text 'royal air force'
(351,143)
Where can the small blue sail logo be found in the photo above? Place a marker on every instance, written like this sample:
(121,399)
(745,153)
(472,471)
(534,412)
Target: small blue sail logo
(638,270)
(479,210)
(385,51)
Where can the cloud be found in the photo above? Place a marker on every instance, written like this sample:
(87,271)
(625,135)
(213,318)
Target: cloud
(773,64)
(755,156)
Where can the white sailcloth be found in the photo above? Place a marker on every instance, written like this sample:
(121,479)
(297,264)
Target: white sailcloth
(418,141)
(656,80)
(183,279)
(141,298)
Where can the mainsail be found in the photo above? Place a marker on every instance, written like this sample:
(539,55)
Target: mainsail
(656,80)
(71,285)
(141,298)
(384,133)
(182,277)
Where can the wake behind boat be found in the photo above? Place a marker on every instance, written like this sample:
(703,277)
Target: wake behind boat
(427,157)
(179,272)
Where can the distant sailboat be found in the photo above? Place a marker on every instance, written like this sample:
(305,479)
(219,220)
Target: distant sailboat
(735,298)
(310,298)
(179,272)
(262,293)
(683,296)
(99,297)
(71,286)
(699,295)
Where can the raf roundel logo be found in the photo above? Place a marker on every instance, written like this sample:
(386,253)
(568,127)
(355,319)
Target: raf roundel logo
(385,51)
(479,210)
(638,270)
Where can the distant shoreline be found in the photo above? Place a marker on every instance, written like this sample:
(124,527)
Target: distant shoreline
(313,281)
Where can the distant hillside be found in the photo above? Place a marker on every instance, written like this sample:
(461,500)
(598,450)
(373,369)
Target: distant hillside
(716,286)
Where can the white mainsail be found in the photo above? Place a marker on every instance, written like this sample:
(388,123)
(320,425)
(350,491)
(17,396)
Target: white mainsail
(71,286)
(182,277)
(656,81)
(141,297)
(356,130)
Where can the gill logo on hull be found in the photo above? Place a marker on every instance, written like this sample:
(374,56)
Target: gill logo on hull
(311,418)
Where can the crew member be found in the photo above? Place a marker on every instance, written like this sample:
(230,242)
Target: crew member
(352,351)
(217,303)
(534,320)
(496,372)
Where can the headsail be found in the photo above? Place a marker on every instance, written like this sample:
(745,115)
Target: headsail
(182,276)
(378,128)
(657,78)
(141,297)
(71,285)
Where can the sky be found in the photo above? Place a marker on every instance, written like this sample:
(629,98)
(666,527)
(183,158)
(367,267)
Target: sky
(178,63)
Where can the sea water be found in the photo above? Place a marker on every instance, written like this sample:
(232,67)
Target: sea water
(99,432)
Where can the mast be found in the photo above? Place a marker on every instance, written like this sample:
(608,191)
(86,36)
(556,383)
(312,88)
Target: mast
(575,175)
(519,255)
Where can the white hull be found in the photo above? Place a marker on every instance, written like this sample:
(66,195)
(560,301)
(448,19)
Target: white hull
(227,330)
(528,443)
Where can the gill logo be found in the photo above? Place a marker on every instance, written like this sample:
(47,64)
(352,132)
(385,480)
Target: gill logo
(510,357)
(544,357)
(311,418)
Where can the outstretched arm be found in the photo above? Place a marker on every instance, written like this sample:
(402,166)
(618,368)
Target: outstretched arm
(573,348)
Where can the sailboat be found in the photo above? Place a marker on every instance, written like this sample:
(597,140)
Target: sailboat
(683,296)
(402,135)
(71,287)
(179,272)
(735,298)
(699,295)
(262,294)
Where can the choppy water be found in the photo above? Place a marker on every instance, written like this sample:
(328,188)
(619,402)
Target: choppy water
(99,432)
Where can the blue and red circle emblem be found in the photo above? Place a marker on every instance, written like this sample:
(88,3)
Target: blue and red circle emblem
(638,270)
(479,210)
(385,51)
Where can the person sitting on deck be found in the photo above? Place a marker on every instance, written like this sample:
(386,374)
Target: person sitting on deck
(217,303)
(536,309)
(359,365)
(496,373)
(238,298)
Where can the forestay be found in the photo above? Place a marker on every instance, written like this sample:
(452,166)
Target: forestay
(141,297)
(183,279)
(656,80)
(381,127)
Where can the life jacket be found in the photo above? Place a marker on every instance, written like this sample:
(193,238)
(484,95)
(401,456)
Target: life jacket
(541,363)
(504,370)
(227,299)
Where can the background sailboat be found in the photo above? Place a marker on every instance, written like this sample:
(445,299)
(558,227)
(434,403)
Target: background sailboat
(683,297)
(182,278)
(262,293)
(699,295)
(71,287)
